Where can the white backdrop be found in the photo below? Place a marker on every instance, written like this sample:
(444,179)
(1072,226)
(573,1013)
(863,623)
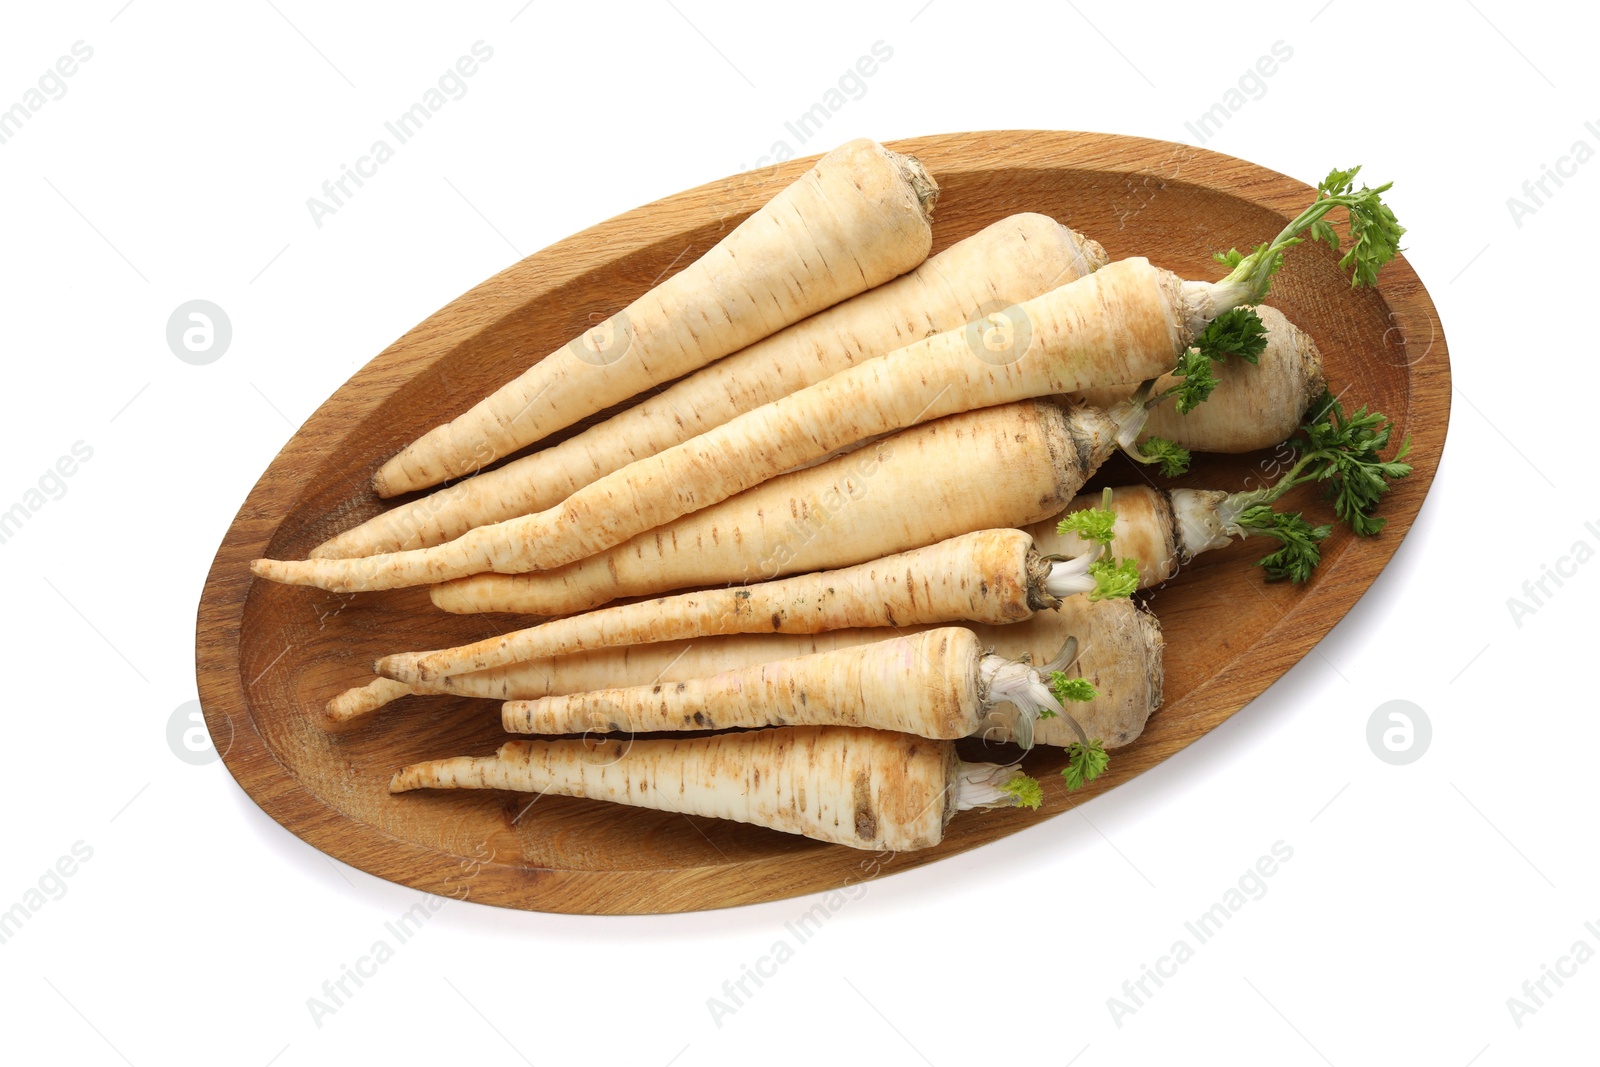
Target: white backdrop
(168,920)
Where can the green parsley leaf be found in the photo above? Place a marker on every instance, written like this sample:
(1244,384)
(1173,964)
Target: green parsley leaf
(1374,235)
(1091,524)
(1194,367)
(1172,458)
(1346,452)
(1298,554)
(1113,579)
(1374,230)
(1236,332)
(1232,257)
(1068,690)
(1025,792)
(1085,763)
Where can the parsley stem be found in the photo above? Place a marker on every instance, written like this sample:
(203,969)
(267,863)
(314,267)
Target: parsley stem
(1238,503)
(1077,727)
(1253,276)
(1374,233)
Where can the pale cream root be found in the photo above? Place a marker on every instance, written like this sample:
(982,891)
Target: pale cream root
(1009,261)
(989,576)
(1038,638)
(1145,530)
(1118,323)
(925,684)
(1254,406)
(1119,652)
(855,220)
(979,470)
(869,789)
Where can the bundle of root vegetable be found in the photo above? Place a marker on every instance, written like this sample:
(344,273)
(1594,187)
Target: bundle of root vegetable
(819,685)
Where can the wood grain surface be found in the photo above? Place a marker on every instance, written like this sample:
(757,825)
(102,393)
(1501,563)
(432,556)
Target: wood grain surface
(268,656)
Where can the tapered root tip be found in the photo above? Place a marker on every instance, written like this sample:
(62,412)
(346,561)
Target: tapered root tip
(380,482)
(446,596)
(342,712)
(354,705)
(289,572)
(333,575)
(401,667)
(455,772)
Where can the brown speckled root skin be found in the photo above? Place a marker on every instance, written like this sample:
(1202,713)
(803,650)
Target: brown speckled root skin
(669,662)
(866,212)
(1006,262)
(1003,466)
(1117,324)
(978,577)
(868,789)
(1254,406)
(924,684)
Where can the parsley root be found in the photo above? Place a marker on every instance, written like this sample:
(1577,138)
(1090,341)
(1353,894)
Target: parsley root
(1011,260)
(1251,403)
(869,789)
(992,576)
(938,684)
(1118,652)
(856,219)
(1164,528)
(1128,321)
(986,469)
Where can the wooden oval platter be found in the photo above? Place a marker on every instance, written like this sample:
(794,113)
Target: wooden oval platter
(268,656)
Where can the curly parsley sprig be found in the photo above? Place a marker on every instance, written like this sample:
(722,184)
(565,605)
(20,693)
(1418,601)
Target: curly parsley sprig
(1114,580)
(1025,792)
(1373,232)
(1085,763)
(1299,551)
(1097,525)
(1070,690)
(1342,453)
(1095,573)
(1235,330)
(1087,758)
